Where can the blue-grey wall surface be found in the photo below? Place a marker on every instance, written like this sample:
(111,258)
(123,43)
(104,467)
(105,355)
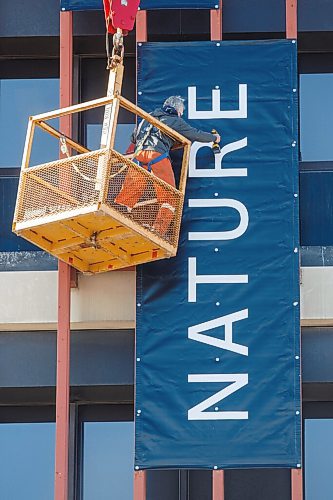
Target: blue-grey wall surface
(101,357)
(41,18)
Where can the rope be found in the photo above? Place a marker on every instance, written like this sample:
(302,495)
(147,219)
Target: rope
(64,150)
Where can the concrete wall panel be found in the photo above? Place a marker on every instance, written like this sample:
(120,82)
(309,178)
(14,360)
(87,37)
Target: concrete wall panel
(28,300)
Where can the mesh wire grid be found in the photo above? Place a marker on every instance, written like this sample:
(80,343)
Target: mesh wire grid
(106,176)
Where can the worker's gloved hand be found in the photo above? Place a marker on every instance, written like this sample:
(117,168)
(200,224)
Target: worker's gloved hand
(218,138)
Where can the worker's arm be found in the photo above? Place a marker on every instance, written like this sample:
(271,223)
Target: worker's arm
(191,133)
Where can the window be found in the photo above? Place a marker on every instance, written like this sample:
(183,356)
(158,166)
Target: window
(108,460)
(316,154)
(27,460)
(318,459)
(316,116)
(179,484)
(27,87)
(20,98)
(122,140)
(260,484)
(107,444)
(93,85)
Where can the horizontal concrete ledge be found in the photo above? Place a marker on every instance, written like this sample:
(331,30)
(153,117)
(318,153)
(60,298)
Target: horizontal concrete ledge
(117,325)
(317,322)
(93,325)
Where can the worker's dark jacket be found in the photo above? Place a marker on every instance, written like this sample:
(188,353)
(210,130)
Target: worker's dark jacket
(157,141)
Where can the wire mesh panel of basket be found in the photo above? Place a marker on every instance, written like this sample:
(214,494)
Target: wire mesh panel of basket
(62,185)
(145,199)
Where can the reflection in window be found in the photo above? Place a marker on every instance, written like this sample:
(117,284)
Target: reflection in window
(123,136)
(27,461)
(20,98)
(108,460)
(316,117)
(318,459)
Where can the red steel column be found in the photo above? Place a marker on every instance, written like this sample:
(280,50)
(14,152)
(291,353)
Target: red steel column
(140,485)
(64,280)
(291,19)
(140,477)
(216,22)
(296,484)
(218,485)
(215,35)
(141,26)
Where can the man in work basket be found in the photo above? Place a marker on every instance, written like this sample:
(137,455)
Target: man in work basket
(152,149)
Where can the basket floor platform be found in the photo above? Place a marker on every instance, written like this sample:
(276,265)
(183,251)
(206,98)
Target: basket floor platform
(97,241)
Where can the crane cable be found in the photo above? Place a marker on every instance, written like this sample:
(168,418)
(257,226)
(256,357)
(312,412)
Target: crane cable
(112,62)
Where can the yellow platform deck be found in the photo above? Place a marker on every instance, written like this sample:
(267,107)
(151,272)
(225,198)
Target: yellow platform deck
(96,241)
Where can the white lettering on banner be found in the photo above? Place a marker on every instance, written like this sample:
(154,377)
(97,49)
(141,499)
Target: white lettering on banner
(198,333)
(194,279)
(195,332)
(221,235)
(217,171)
(216,111)
(238,380)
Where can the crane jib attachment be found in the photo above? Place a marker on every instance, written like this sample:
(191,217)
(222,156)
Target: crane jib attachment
(120,14)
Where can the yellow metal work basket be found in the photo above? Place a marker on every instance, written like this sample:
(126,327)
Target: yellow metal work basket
(67,207)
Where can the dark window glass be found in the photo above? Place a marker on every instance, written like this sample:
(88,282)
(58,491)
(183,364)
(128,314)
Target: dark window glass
(316,116)
(163,484)
(9,242)
(108,460)
(316,207)
(257,484)
(20,98)
(179,485)
(123,136)
(318,459)
(200,484)
(94,81)
(27,461)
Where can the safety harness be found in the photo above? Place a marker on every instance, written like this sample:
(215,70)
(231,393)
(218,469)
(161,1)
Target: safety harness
(139,148)
(151,162)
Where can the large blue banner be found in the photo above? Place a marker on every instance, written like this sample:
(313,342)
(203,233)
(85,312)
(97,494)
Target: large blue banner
(218,328)
(144,4)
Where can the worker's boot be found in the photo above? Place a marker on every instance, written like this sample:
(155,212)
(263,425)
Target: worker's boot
(164,218)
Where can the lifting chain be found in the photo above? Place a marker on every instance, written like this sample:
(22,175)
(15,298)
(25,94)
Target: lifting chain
(118,48)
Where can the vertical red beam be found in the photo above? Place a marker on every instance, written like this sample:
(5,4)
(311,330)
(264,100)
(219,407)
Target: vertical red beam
(140,485)
(291,19)
(141,26)
(216,22)
(215,35)
(296,484)
(64,279)
(218,485)
(140,477)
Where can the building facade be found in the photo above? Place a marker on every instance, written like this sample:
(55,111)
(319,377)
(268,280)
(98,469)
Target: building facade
(103,307)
